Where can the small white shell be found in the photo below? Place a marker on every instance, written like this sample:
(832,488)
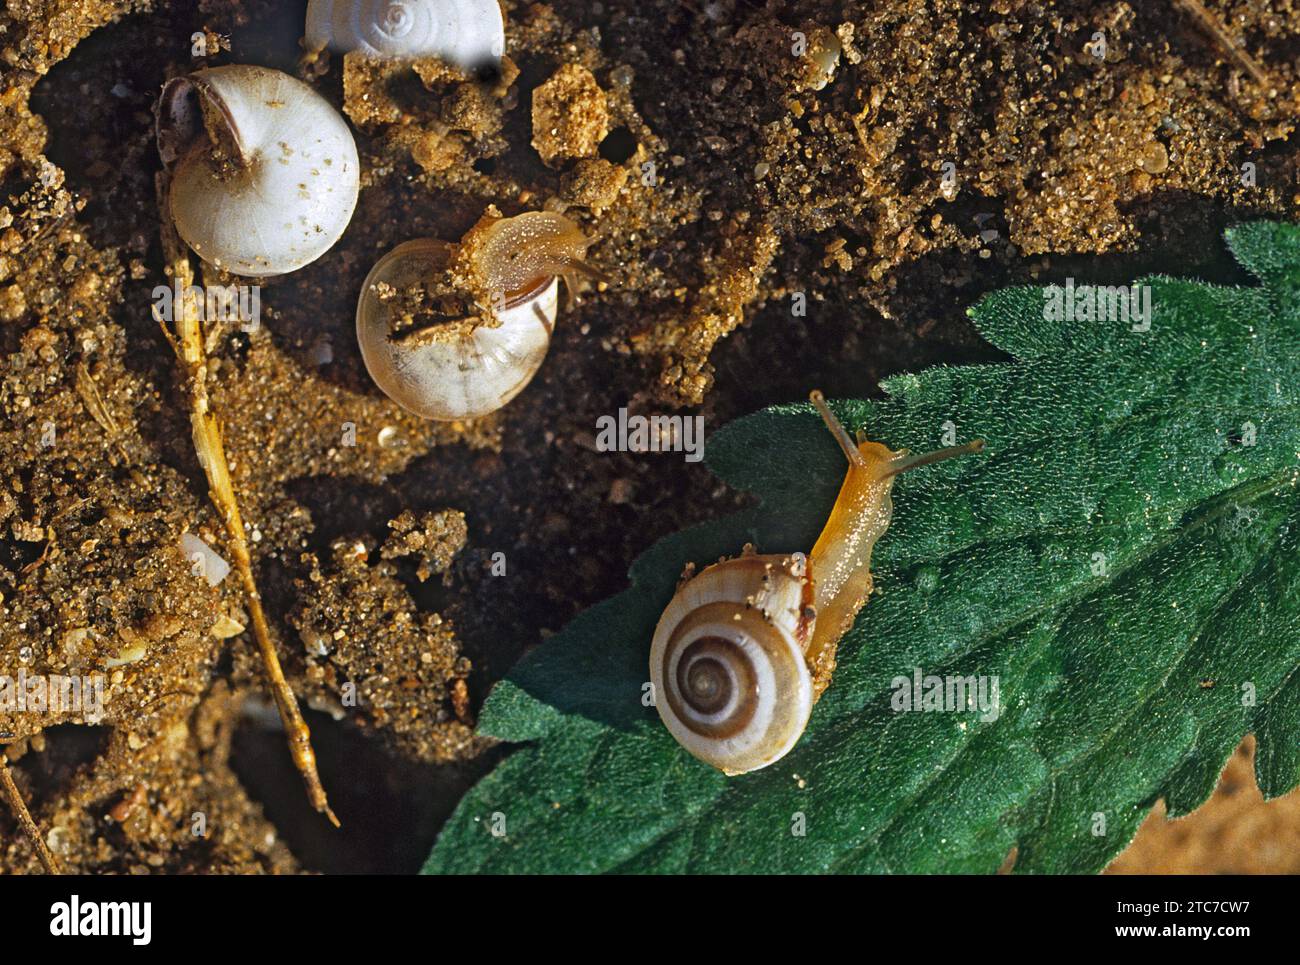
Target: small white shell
(205,559)
(462,378)
(285,185)
(727,663)
(467,33)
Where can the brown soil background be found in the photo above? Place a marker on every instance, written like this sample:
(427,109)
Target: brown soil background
(763,187)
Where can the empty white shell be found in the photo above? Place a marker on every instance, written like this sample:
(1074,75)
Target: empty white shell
(264,171)
(467,33)
(727,663)
(459,378)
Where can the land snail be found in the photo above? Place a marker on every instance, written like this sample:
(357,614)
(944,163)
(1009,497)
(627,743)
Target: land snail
(455,331)
(467,33)
(747,646)
(264,171)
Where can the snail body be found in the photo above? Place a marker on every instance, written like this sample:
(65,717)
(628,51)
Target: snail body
(264,171)
(455,331)
(746,647)
(466,33)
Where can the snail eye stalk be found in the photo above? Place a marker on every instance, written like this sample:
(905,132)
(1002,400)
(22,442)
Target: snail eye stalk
(837,428)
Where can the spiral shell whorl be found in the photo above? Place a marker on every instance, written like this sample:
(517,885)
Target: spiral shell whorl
(467,33)
(727,662)
(388,28)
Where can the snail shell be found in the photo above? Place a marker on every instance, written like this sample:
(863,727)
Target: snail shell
(467,33)
(458,369)
(264,171)
(727,662)
(462,377)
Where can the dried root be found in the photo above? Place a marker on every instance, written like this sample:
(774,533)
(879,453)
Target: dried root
(187,341)
(19,806)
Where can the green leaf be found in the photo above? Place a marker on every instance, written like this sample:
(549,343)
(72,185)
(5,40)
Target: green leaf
(1124,560)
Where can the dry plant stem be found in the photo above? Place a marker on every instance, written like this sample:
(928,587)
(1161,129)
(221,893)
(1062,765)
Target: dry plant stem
(188,344)
(25,819)
(1210,23)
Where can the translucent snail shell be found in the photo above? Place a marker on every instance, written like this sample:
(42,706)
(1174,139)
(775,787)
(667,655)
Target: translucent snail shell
(747,646)
(264,171)
(467,33)
(509,269)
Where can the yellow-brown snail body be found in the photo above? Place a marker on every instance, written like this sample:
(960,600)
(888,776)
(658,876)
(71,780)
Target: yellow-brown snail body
(455,331)
(747,646)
